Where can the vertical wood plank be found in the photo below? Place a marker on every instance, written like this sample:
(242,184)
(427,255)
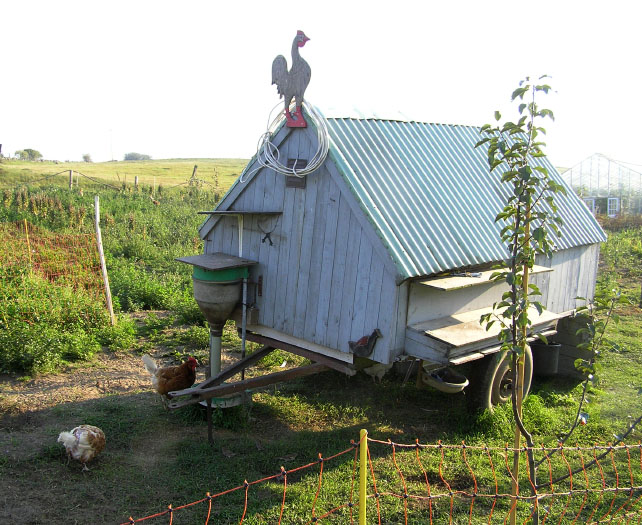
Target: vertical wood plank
(289,149)
(252,236)
(274,195)
(387,318)
(543,280)
(306,251)
(294,259)
(349,284)
(217,237)
(399,298)
(284,261)
(338,273)
(228,233)
(361,290)
(594,258)
(316,255)
(574,278)
(553,283)
(328,258)
(374,294)
(565,288)
(260,198)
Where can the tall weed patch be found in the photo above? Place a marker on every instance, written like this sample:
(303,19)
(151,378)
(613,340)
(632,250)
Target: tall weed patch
(45,324)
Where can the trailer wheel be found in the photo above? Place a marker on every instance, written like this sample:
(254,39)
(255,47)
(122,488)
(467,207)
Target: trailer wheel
(492,384)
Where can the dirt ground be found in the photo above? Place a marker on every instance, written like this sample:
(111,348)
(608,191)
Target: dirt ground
(34,411)
(109,374)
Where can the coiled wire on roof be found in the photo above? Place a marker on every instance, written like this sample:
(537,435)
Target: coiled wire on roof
(267,154)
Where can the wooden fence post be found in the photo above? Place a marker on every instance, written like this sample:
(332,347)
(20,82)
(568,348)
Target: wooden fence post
(136,181)
(71,179)
(103,266)
(28,247)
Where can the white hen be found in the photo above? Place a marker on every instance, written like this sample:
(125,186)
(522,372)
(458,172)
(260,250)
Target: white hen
(83,443)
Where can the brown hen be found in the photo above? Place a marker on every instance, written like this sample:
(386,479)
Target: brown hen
(170,378)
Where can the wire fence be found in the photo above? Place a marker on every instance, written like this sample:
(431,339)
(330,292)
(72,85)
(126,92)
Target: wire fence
(74,175)
(69,259)
(454,484)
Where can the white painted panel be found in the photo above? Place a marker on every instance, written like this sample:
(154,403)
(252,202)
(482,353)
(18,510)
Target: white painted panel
(427,303)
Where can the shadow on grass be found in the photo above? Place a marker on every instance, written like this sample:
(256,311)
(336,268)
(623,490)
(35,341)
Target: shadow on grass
(154,457)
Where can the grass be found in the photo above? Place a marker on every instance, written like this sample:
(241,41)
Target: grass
(154,457)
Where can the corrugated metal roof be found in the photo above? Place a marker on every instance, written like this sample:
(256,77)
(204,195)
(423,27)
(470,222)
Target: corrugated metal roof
(429,194)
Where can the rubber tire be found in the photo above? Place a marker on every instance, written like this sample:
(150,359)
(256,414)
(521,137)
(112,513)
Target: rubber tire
(491,385)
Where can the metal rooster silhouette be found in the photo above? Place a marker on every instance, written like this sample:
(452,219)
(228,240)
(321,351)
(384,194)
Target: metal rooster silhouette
(292,84)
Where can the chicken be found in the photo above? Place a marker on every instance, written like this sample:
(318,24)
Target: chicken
(170,378)
(83,443)
(364,346)
(377,371)
(292,84)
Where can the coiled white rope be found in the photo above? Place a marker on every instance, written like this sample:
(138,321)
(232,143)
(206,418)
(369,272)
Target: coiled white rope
(267,154)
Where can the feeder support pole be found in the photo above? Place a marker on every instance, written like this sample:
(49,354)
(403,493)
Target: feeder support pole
(244,305)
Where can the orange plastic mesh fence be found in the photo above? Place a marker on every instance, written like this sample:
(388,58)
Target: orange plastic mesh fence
(70,259)
(438,483)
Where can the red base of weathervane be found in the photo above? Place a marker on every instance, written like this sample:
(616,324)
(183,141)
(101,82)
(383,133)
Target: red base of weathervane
(295,120)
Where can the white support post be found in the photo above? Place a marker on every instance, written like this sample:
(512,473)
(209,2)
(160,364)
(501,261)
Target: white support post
(101,255)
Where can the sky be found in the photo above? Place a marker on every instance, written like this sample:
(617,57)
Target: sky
(192,79)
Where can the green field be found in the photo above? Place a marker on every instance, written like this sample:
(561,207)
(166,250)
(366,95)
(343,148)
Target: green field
(167,172)
(55,340)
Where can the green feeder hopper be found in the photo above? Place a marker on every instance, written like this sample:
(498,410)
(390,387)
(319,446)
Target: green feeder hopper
(218,286)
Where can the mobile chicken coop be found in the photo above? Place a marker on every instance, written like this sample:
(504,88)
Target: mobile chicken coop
(392,237)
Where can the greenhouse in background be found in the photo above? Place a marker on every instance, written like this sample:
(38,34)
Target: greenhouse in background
(607,187)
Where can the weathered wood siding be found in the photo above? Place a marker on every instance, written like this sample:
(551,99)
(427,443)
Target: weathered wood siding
(324,277)
(574,274)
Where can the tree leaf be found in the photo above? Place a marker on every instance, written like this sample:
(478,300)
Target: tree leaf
(519,92)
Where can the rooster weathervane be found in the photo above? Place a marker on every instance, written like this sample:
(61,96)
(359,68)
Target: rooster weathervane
(292,84)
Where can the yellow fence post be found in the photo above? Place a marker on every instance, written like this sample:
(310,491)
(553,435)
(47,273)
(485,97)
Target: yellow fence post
(363,471)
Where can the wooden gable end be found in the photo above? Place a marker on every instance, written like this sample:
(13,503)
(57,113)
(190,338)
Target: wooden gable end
(324,276)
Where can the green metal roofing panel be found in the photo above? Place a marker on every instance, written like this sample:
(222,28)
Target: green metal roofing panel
(429,194)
